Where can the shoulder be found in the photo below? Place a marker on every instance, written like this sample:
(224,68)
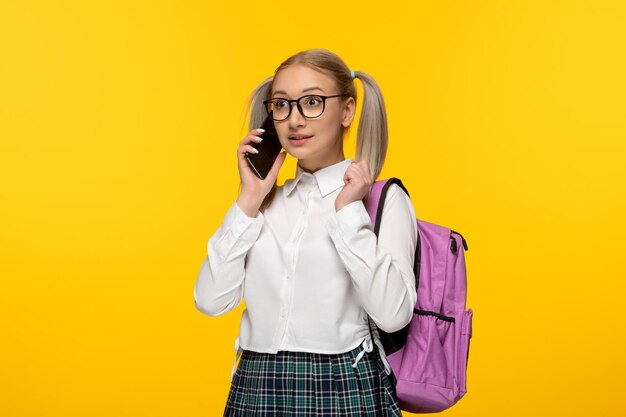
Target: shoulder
(398,218)
(394,189)
(398,204)
(396,193)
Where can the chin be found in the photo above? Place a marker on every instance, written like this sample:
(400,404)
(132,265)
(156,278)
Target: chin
(297,152)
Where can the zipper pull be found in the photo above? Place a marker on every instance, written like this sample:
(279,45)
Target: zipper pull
(453,244)
(462,239)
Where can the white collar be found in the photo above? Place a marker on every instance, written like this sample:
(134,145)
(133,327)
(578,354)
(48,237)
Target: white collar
(328,178)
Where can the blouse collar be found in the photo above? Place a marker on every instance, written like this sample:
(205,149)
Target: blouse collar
(328,178)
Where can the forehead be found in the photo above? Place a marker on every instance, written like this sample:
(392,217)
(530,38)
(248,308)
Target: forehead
(293,80)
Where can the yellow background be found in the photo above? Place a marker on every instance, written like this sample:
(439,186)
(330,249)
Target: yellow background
(119,123)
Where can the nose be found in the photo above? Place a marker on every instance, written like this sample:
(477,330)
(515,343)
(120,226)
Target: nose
(295,118)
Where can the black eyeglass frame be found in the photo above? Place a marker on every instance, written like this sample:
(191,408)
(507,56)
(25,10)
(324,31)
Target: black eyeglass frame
(297,101)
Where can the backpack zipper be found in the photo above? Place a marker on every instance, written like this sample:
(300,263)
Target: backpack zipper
(453,246)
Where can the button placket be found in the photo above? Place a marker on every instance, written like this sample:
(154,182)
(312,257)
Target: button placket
(293,247)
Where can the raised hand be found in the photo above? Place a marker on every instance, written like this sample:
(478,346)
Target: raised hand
(357,180)
(254,189)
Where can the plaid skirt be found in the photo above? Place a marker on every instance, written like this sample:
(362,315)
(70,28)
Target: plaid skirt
(302,384)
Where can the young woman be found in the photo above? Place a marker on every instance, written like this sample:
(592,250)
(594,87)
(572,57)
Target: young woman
(304,255)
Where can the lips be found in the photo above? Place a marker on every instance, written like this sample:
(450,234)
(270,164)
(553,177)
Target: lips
(298,137)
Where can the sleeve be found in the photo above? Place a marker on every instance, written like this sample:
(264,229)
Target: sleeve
(382,272)
(219,286)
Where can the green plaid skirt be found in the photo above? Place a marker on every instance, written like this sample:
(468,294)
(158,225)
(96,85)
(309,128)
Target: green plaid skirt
(302,384)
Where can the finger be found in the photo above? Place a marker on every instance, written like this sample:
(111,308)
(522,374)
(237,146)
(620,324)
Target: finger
(246,148)
(367,173)
(257,131)
(353,173)
(364,169)
(250,139)
(278,162)
(363,166)
(357,171)
(347,175)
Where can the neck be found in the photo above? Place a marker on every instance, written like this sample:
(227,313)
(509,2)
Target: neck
(311,166)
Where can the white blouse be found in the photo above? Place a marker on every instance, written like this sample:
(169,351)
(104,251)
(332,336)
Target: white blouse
(310,274)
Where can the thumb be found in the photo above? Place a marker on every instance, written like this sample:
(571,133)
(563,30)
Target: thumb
(278,162)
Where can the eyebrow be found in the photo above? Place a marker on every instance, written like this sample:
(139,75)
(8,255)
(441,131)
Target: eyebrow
(306,89)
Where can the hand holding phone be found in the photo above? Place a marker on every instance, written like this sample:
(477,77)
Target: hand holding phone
(262,162)
(254,188)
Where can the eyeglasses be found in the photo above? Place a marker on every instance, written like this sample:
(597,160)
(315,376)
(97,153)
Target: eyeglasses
(309,106)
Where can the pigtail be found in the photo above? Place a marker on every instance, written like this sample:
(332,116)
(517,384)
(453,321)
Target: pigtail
(257,117)
(372,134)
(255,100)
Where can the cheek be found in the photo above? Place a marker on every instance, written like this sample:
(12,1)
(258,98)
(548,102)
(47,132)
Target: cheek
(331,126)
(333,121)
(283,133)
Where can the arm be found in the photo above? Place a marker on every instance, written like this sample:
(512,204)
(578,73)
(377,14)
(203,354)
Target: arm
(382,273)
(219,286)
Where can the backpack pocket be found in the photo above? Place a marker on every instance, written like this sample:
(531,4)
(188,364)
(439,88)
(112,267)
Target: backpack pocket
(464,345)
(431,367)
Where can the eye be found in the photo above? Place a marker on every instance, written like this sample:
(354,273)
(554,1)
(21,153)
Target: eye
(313,101)
(279,104)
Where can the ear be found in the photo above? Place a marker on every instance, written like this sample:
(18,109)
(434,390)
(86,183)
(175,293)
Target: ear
(348,112)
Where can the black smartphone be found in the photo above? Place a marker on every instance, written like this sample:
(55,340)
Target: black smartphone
(269,148)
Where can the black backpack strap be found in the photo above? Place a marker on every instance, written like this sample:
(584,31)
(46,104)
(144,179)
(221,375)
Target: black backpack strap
(396,340)
(381,201)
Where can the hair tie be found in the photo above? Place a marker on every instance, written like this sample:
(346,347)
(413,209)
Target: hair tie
(352,73)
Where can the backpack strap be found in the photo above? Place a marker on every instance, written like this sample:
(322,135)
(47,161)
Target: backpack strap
(375,205)
(387,342)
(376,200)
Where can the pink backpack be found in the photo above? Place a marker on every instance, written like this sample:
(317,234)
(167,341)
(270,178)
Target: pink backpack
(428,358)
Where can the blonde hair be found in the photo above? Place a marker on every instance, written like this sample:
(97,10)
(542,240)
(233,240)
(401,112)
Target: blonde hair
(372,135)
